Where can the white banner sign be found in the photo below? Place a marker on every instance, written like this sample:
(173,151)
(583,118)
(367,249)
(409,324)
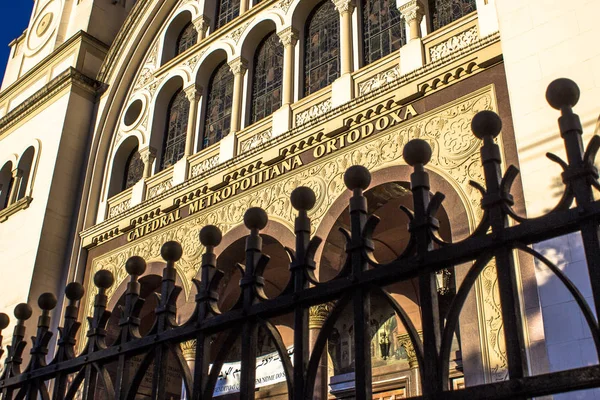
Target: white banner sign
(269,370)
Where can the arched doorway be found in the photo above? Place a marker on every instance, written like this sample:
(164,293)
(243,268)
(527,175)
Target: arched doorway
(394,364)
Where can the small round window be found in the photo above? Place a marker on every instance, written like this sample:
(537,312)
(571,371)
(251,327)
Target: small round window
(133,112)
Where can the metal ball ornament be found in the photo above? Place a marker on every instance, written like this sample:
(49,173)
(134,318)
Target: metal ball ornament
(357,177)
(210,235)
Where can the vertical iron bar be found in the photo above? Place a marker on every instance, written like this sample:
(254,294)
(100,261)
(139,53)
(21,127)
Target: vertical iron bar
(417,153)
(563,95)
(206,306)
(357,178)
(255,219)
(486,125)
(303,265)
(14,358)
(165,316)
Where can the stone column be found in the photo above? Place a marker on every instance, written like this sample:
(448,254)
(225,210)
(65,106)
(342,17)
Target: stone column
(316,318)
(413,13)
(193,93)
(289,38)
(414,386)
(346,8)
(412,55)
(239,66)
(282,117)
(17,177)
(148,155)
(244,5)
(201,24)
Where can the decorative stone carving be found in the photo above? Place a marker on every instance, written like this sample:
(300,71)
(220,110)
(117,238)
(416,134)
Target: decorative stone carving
(193,93)
(236,34)
(313,112)
(201,24)
(205,165)
(288,36)
(317,315)
(412,10)
(238,66)
(283,5)
(381,79)
(119,208)
(344,6)
(453,44)
(153,55)
(256,140)
(405,342)
(160,188)
(188,349)
(144,78)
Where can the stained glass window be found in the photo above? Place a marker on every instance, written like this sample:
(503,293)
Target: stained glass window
(134,169)
(446,11)
(187,38)
(384,30)
(321,48)
(268,72)
(226,11)
(176,129)
(218,106)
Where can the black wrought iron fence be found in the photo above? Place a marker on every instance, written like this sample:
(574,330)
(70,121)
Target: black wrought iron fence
(500,233)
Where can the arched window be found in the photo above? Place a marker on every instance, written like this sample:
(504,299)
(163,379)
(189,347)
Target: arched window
(226,11)
(6,182)
(25,165)
(176,129)
(268,70)
(384,30)
(134,169)
(187,38)
(321,48)
(444,12)
(218,107)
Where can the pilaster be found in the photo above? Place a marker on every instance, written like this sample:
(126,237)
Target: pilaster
(412,55)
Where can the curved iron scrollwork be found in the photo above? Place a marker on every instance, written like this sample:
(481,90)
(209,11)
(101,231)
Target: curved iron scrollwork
(500,234)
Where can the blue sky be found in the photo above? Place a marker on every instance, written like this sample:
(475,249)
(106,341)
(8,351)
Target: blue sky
(15,17)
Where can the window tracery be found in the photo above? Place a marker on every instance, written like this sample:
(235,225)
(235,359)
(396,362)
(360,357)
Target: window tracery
(444,12)
(176,129)
(321,48)
(134,169)
(218,107)
(187,38)
(268,77)
(383,29)
(226,11)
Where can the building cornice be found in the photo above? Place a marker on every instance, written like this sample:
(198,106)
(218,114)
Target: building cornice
(66,79)
(79,37)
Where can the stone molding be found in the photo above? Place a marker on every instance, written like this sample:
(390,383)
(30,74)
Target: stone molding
(69,77)
(15,207)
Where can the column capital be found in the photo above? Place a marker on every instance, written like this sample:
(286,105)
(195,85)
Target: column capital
(411,10)
(238,66)
(405,342)
(147,154)
(317,315)
(201,23)
(188,349)
(344,6)
(193,92)
(288,36)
